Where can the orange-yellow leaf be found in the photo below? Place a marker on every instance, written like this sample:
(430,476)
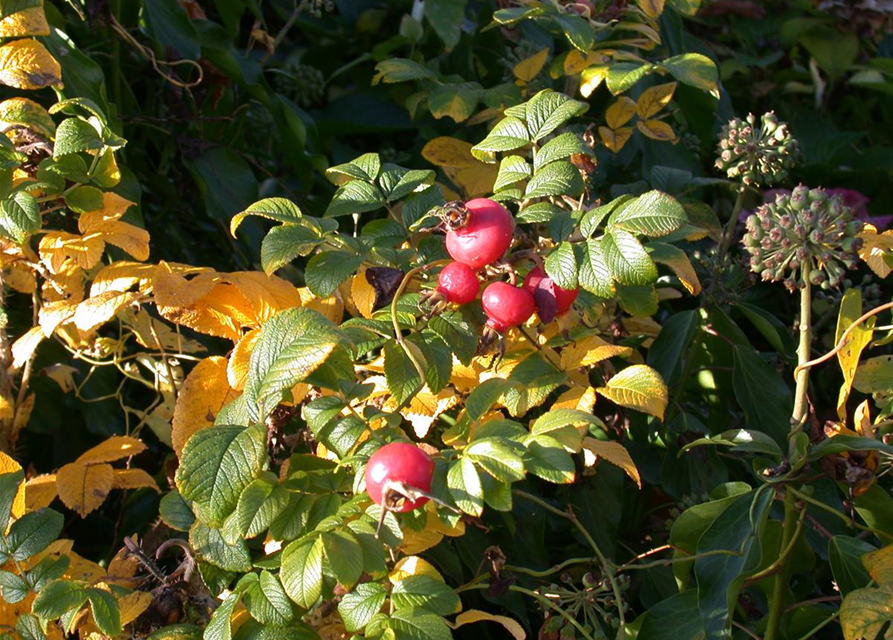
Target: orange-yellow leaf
(114,448)
(57,246)
(877,250)
(25,346)
(96,311)
(615,140)
(576,61)
(82,487)
(331,307)
(415,542)
(621,112)
(8,465)
(527,69)
(657,130)
(362,293)
(133,605)
(26,64)
(589,351)
(615,453)
(860,337)
(122,275)
(19,278)
(413,566)
(28,22)
(577,398)
(40,491)
(425,407)
(654,99)
(511,626)
(638,387)
(449,152)
(652,8)
(237,369)
(591,78)
(266,295)
(204,392)
(133,479)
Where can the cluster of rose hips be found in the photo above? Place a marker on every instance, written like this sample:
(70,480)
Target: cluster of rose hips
(478,233)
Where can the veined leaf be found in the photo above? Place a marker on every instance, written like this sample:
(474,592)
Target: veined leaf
(278,209)
(638,387)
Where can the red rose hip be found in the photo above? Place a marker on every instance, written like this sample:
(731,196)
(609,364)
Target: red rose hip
(507,306)
(399,462)
(458,283)
(551,300)
(485,237)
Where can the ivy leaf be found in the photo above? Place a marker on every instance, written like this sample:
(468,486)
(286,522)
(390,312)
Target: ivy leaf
(358,607)
(355,196)
(301,572)
(652,214)
(638,387)
(555,179)
(217,464)
(291,346)
(548,110)
(326,271)
(278,209)
(627,260)
(761,392)
(465,487)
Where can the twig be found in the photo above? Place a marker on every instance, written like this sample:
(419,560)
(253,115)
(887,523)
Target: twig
(747,631)
(806,603)
(540,598)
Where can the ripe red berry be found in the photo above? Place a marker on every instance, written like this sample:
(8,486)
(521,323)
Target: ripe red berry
(507,306)
(486,236)
(399,462)
(551,300)
(458,283)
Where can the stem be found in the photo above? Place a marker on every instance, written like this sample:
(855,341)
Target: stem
(801,399)
(788,536)
(777,566)
(606,566)
(728,233)
(811,633)
(539,598)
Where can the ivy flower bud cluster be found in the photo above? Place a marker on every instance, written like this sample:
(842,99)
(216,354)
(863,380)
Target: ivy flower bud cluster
(806,232)
(755,154)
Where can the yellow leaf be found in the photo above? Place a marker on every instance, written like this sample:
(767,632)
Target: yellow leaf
(28,22)
(331,307)
(93,312)
(419,541)
(527,69)
(204,392)
(25,346)
(578,398)
(133,479)
(61,374)
(654,99)
(424,408)
(877,250)
(237,368)
(8,465)
(55,314)
(26,113)
(67,283)
(203,303)
(121,276)
(678,261)
(463,378)
(114,448)
(472,616)
(362,293)
(638,387)
(657,130)
(266,295)
(154,333)
(860,337)
(575,61)
(621,112)
(589,351)
(449,152)
(84,487)
(880,565)
(591,78)
(652,8)
(57,246)
(26,64)
(105,223)
(615,140)
(615,453)
(413,566)
(40,491)
(864,612)
(133,605)
(434,523)
(20,278)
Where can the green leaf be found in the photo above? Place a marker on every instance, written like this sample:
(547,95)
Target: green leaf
(167,22)
(48,569)
(425,593)
(498,458)
(106,612)
(9,489)
(397,182)
(74,136)
(13,588)
(283,244)
(345,556)
(546,458)
(358,607)
(355,196)
(465,487)
(548,110)
(593,218)
(555,179)
(875,375)
(301,572)
(446,16)
(774,330)
(676,618)
(533,380)
(365,168)
(623,75)
(762,393)
(720,576)
(210,546)
(455,329)
(458,101)
(31,534)
(627,260)
(694,69)
(28,628)
(326,271)
(561,266)
(484,395)
(512,169)
(402,377)
(638,387)
(84,199)
(401,70)
(259,505)
(267,601)
(217,464)
(875,506)
(291,346)
(577,30)
(58,598)
(220,627)
(594,274)
(278,209)
(671,348)
(73,105)
(19,217)
(509,134)
(741,440)
(637,300)
(653,214)
(11,7)
(845,555)
(864,612)
(558,148)
(416,624)
(557,419)
(842,444)
(686,7)
(175,512)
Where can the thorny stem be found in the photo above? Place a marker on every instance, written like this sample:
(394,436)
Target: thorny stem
(728,233)
(607,567)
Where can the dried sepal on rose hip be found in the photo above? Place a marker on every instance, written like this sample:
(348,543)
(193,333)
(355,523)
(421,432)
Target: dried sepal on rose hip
(551,300)
(479,232)
(398,477)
